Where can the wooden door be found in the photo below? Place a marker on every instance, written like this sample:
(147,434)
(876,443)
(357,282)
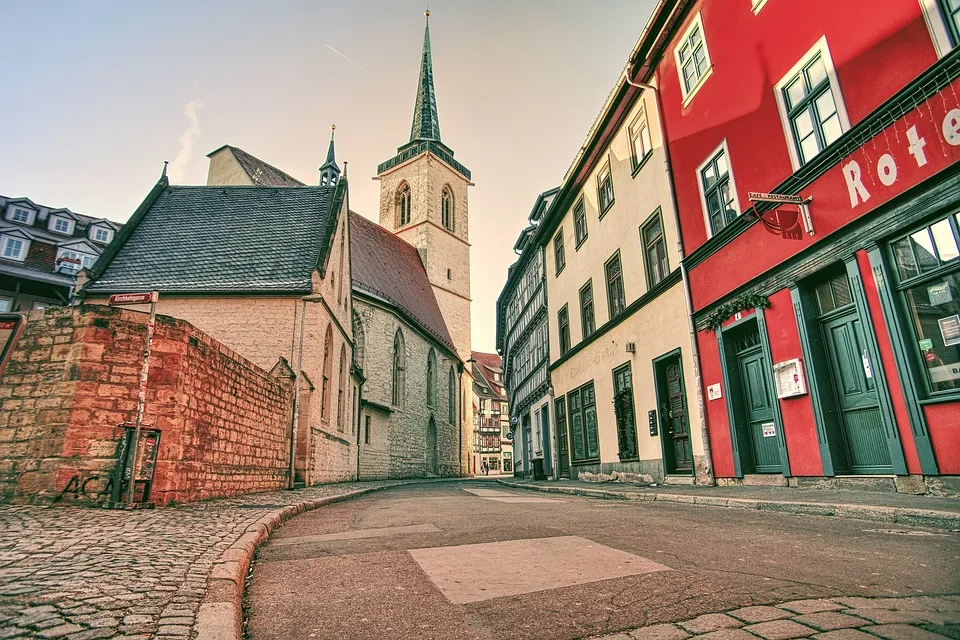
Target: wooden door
(755,416)
(674,419)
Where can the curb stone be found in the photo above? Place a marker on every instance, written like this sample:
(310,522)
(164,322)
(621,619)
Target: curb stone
(910,517)
(220,616)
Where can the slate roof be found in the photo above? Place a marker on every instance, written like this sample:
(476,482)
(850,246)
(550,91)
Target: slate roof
(390,268)
(259,172)
(486,364)
(192,239)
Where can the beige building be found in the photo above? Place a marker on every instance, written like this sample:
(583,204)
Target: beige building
(492,439)
(621,364)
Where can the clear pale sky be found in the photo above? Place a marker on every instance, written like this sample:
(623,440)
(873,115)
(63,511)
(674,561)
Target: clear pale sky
(96,95)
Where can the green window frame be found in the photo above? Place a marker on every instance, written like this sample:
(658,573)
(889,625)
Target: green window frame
(951,16)
(640,143)
(560,414)
(588,321)
(605,189)
(656,265)
(812,109)
(579,223)
(693,58)
(718,192)
(584,437)
(926,267)
(563,329)
(616,298)
(559,257)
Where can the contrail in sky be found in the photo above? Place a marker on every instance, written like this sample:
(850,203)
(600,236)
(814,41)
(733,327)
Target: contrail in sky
(344,57)
(185,153)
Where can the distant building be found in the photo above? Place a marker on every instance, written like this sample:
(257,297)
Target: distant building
(41,251)
(523,341)
(492,440)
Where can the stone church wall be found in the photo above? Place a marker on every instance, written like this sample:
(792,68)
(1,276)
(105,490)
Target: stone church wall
(73,378)
(398,442)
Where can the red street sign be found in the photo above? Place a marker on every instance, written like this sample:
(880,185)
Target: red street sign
(132,298)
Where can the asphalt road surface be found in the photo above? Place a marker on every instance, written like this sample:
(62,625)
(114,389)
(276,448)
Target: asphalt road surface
(477,560)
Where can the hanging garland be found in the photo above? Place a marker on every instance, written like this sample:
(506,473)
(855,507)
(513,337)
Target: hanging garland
(750,301)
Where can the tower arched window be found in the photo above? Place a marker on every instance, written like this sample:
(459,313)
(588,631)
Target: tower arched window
(403,205)
(327,373)
(452,397)
(399,366)
(341,385)
(432,379)
(446,208)
(359,341)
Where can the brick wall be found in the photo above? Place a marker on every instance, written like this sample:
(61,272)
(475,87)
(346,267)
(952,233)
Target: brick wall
(72,379)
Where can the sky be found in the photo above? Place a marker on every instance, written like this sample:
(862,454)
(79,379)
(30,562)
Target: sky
(96,95)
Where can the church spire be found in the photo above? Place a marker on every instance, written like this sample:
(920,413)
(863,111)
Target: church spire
(329,171)
(426,125)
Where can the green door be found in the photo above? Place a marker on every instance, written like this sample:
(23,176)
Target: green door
(855,391)
(673,414)
(756,415)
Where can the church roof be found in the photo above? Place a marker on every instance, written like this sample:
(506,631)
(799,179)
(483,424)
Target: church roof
(426,124)
(223,239)
(259,172)
(389,268)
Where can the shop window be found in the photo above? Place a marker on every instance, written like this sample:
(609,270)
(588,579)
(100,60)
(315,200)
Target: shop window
(560,412)
(563,324)
(584,439)
(811,105)
(616,299)
(717,189)
(579,223)
(588,323)
(928,268)
(655,261)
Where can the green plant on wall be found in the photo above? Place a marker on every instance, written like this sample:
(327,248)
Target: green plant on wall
(750,301)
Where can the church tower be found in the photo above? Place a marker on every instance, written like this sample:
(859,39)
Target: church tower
(423,200)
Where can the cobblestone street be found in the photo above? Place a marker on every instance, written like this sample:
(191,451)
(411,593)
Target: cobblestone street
(81,573)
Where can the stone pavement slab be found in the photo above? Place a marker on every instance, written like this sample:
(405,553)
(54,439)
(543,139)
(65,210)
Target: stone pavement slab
(779,630)
(81,573)
(759,614)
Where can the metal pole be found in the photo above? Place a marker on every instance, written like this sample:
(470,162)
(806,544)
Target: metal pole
(141,397)
(296,400)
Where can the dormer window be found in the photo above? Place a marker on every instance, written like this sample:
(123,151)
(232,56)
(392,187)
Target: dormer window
(23,216)
(60,225)
(13,248)
(73,261)
(101,234)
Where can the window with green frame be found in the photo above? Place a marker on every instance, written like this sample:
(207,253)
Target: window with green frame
(563,329)
(579,223)
(717,191)
(812,109)
(616,299)
(584,440)
(927,263)
(560,412)
(559,257)
(951,15)
(588,323)
(605,189)
(655,262)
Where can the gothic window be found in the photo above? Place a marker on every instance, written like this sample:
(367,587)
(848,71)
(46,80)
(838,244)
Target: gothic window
(327,373)
(452,400)
(399,365)
(403,205)
(432,379)
(359,341)
(446,208)
(341,381)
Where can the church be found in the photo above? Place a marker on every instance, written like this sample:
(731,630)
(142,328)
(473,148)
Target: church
(371,320)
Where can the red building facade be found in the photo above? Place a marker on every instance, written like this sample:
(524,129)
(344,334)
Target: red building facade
(829,342)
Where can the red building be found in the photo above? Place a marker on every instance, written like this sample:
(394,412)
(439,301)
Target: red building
(829,342)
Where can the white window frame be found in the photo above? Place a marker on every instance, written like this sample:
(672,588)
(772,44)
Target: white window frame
(758,5)
(823,50)
(635,130)
(93,234)
(52,222)
(937,26)
(80,255)
(9,302)
(21,255)
(31,214)
(703,195)
(688,95)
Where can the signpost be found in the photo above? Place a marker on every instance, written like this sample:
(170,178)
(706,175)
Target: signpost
(139,298)
(10,326)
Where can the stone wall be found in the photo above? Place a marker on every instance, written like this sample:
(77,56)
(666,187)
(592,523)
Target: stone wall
(73,377)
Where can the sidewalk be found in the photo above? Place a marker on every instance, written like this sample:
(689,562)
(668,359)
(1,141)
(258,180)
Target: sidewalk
(81,574)
(899,508)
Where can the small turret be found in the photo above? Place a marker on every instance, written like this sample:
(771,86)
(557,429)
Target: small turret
(329,171)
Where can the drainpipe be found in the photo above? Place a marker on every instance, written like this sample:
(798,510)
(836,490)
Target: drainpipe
(688,297)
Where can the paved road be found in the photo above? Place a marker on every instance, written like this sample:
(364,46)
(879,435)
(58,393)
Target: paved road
(473,560)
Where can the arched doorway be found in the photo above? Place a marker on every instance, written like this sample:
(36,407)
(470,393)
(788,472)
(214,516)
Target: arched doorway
(433,465)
